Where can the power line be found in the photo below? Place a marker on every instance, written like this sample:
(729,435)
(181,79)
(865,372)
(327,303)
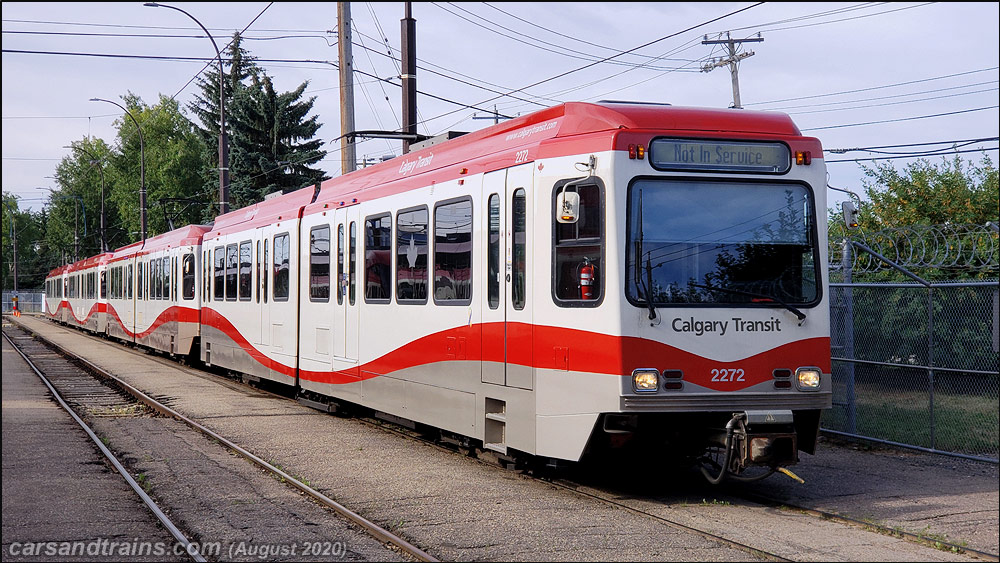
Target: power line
(849,19)
(982,139)
(621,53)
(895,103)
(209,60)
(885,97)
(371,105)
(575,54)
(875,87)
(162,27)
(902,119)
(425,69)
(651,58)
(913,156)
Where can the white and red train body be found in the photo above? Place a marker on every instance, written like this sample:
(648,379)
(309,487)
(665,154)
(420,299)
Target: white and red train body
(143,293)
(73,293)
(589,269)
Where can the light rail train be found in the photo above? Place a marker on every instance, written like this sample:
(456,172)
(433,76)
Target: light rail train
(563,283)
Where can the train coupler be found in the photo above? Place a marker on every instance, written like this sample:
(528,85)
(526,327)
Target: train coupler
(756,438)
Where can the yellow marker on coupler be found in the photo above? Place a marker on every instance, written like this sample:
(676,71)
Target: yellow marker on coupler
(792,475)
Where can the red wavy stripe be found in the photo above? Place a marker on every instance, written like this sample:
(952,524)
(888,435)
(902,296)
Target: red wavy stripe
(170,314)
(548,347)
(543,347)
(211,317)
(96,308)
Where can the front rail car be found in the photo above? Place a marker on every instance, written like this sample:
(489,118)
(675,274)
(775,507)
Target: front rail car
(570,280)
(480,313)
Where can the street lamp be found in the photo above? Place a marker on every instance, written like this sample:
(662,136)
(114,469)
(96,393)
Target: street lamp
(100,166)
(142,169)
(223,139)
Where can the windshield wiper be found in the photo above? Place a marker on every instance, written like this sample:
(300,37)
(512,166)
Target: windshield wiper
(801,316)
(641,287)
(646,292)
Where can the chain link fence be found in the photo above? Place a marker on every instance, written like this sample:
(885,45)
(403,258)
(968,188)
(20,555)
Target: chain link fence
(27,302)
(915,363)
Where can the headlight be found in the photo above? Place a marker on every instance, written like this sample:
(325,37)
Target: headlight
(645,380)
(808,379)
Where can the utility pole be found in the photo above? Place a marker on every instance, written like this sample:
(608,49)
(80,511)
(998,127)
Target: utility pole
(495,117)
(408,40)
(732,60)
(13,230)
(348,153)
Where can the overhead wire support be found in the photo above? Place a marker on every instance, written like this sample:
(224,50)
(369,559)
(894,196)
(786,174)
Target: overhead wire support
(732,61)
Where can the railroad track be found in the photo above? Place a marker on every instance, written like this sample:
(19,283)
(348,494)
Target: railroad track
(590,491)
(79,391)
(100,392)
(935,543)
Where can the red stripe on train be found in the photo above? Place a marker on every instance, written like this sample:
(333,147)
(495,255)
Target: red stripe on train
(544,347)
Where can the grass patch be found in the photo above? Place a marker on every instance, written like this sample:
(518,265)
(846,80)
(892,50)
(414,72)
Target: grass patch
(963,423)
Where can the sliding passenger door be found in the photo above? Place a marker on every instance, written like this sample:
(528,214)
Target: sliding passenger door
(519,327)
(263,301)
(345,293)
(283,280)
(507,318)
(494,307)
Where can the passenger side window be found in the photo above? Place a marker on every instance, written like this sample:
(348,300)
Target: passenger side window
(246,273)
(232,264)
(378,259)
(319,263)
(493,258)
(578,273)
(519,255)
(220,273)
(411,256)
(341,280)
(187,275)
(453,252)
(165,271)
(352,261)
(281,267)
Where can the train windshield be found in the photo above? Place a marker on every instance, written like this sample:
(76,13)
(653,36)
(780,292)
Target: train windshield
(720,243)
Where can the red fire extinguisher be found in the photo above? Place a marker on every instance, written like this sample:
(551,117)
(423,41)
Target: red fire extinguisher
(586,276)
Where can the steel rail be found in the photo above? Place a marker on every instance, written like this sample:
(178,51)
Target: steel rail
(571,487)
(190,548)
(886,530)
(375,530)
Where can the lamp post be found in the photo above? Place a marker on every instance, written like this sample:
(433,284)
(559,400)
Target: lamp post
(223,139)
(94,160)
(142,169)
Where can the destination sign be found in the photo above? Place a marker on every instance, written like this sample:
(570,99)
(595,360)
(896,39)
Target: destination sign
(686,154)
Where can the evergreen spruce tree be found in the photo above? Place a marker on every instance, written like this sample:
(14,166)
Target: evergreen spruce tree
(238,66)
(272,145)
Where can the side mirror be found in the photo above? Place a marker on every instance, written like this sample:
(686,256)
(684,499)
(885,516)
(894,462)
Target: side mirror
(567,207)
(850,215)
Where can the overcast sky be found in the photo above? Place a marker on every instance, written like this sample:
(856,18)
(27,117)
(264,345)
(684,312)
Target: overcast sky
(855,75)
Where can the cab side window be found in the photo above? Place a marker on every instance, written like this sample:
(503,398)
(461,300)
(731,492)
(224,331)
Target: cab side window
(578,257)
